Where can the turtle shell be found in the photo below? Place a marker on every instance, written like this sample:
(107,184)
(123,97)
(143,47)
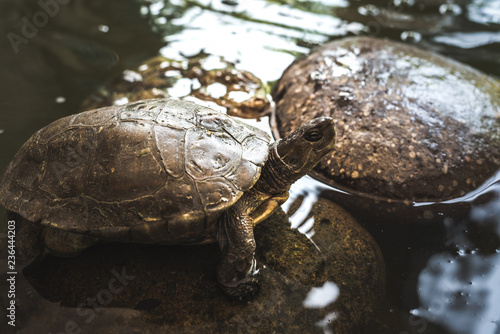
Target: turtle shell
(156,171)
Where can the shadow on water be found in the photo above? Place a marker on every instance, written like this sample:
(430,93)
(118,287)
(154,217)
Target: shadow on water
(441,277)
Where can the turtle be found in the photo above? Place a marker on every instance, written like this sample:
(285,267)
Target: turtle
(158,171)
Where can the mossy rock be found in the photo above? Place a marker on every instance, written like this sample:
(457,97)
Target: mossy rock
(173,289)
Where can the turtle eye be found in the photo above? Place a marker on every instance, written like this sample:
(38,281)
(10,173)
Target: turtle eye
(313,135)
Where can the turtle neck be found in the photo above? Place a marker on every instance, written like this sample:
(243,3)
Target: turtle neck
(276,176)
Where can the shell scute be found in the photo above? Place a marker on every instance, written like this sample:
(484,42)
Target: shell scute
(212,121)
(29,163)
(141,209)
(67,158)
(53,129)
(147,110)
(255,150)
(177,114)
(177,197)
(100,216)
(60,213)
(217,194)
(98,117)
(245,176)
(210,154)
(170,144)
(127,164)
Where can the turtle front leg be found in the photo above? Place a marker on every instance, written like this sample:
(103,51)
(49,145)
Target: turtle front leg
(266,208)
(237,272)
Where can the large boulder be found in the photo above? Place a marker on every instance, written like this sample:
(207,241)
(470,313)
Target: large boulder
(413,126)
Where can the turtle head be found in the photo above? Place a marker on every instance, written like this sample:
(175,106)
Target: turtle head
(295,155)
(302,149)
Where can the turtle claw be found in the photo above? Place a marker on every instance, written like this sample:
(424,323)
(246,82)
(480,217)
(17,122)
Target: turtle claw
(242,289)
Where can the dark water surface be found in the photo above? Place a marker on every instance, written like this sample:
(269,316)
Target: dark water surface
(443,278)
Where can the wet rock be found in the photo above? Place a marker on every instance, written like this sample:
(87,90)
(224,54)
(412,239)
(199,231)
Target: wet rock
(205,77)
(413,126)
(335,285)
(412,20)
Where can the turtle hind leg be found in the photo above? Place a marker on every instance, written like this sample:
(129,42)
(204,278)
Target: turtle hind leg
(237,273)
(66,244)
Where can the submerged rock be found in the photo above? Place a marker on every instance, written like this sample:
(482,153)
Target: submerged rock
(413,125)
(334,284)
(205,77)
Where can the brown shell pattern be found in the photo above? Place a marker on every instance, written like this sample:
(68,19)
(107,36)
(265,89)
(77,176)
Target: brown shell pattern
(164,167)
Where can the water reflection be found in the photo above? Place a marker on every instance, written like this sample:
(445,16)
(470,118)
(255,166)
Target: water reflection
(486,12)
(322,296)
(308,190)
(272,30)
(459,289)
(450,9)
(469,40)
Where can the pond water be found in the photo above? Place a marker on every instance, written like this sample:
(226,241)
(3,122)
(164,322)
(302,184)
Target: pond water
(443,278)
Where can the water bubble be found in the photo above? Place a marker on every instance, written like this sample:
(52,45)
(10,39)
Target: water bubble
(60,99)
(411,36)
(144,10)
(121,101)
(368,10)
(450,9)
(103,28)
(161,20)
(408,3)
(156,7)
